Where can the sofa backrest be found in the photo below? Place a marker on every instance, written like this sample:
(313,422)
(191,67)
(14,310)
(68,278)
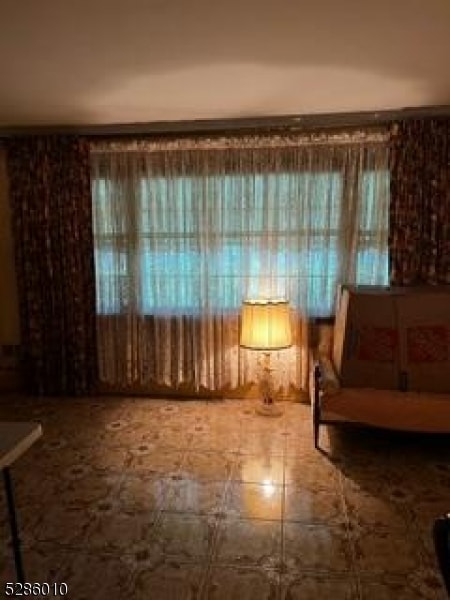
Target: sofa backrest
(396,338)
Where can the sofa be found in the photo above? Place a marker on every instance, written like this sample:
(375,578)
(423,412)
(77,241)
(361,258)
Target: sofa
(389,361)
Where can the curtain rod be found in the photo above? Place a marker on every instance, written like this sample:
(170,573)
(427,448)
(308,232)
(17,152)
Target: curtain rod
(241,141)
(249,124)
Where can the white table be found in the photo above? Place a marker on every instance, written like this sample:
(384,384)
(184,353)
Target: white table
(15,439)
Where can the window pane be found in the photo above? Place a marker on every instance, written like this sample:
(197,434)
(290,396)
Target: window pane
(372,266)
(111,267)
(169,280)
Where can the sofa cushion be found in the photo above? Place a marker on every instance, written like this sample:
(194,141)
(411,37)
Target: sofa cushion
(391,409)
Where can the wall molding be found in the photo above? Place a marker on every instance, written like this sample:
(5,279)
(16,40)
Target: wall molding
(291,122)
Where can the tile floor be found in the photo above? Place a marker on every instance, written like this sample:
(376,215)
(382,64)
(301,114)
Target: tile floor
(154,499)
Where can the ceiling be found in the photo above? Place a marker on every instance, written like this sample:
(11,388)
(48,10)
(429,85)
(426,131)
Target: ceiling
(88,62)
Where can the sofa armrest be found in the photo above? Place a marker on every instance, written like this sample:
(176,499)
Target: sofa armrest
(325,383)
(316,401)
(329,380)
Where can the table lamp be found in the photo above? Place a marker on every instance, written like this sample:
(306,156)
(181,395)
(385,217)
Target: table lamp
(266,326)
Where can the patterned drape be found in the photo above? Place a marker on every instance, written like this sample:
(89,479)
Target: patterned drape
(419,240)
(50,195)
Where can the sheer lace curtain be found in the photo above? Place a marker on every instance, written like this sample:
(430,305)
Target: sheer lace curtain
(186,229)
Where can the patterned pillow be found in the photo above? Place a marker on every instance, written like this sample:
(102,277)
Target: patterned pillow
(428,343)
(377,344)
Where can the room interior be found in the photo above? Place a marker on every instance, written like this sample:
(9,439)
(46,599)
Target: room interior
(224,285)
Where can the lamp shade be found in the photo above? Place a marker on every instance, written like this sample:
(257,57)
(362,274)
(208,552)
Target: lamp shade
(266,325)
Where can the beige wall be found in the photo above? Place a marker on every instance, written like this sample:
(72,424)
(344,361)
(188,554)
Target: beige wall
(9,318)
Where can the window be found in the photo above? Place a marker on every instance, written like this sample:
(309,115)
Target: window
(171,245)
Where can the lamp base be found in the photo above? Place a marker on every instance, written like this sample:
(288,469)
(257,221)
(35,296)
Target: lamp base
(268,409)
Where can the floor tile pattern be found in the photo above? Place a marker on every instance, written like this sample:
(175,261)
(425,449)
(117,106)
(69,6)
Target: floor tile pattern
(192,500)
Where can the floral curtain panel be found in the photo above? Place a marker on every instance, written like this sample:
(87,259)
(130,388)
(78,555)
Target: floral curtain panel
(186,229)
(419,241)
(51,202)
